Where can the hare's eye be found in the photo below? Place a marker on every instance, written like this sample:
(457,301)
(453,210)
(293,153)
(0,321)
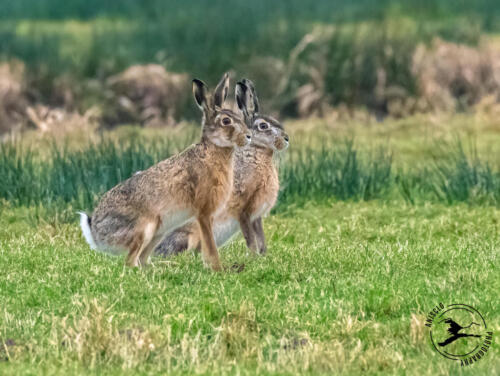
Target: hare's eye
(263,126)
(226,121)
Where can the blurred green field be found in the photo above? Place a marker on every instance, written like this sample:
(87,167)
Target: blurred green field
(94,40)
(87,37)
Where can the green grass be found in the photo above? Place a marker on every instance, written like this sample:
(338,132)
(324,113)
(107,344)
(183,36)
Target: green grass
(59,179)
(375,225)
(344,289)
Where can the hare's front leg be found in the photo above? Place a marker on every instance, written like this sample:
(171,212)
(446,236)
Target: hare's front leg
(208,247)
(248,231)
(259,234)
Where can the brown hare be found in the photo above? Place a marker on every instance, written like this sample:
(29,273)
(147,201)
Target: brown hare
(255,187)
(135,215)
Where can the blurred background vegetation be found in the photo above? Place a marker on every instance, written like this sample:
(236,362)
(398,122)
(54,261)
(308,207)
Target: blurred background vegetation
(427,72)
(307,57)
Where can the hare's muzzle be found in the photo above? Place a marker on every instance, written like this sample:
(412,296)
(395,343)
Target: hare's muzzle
(244,138)
(282,142)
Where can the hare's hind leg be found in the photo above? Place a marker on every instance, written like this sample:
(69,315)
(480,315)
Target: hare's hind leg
(259,234)
(141,243)
(248,231)
(208,247)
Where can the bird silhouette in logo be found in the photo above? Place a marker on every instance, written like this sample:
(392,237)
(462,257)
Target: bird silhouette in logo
(454,330)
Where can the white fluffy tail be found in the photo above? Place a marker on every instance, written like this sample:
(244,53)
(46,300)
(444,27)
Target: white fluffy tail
(85,225)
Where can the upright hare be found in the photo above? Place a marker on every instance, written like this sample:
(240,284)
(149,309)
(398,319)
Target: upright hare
(135,215)
(255,187)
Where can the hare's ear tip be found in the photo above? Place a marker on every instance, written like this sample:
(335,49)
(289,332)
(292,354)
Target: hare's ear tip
(226,77)
(241,84)
(248,83)
(197,81)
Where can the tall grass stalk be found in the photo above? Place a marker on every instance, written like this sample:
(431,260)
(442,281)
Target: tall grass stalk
(336,169)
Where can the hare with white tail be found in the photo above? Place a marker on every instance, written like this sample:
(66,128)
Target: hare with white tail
(255,187)
(135,215)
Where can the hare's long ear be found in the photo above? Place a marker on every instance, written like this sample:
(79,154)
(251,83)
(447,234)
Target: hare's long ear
(241,100)
(200,94)
(220,92)
(253,101)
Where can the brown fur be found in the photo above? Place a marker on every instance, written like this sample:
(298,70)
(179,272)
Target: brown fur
(255,187)
(136,214)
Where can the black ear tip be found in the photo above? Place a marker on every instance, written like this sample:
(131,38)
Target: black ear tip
(198,82)
(248,82)
(241,86)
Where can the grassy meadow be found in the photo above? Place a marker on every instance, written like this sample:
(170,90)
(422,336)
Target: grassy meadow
(375,225)
(390,190)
